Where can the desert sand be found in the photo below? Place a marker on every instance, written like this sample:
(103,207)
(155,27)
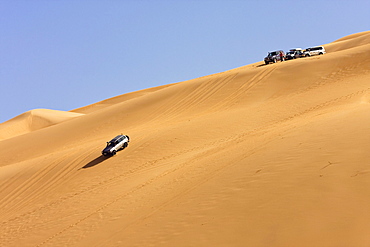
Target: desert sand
(261,155)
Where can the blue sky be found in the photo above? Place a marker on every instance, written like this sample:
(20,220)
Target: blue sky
(65,54)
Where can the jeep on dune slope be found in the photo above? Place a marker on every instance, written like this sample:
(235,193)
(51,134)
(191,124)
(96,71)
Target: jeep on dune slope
(117,143)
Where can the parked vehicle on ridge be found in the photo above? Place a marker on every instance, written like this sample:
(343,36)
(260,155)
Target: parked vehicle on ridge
(294,53)
(317,50)
(274,56)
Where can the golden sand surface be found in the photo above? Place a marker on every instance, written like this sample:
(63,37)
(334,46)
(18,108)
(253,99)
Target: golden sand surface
(261,155)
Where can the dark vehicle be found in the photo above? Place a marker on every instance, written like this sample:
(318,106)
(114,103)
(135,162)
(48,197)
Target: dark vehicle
(117,143)
(294,53)
(274,56)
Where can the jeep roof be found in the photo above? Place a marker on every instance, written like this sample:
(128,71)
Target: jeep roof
(273,53)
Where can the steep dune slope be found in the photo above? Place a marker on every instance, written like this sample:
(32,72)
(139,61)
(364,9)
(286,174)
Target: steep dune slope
(256,156)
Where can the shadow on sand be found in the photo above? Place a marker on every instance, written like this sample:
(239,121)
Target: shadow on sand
(260,65)
(95,161)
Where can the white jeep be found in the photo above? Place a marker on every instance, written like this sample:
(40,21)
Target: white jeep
(117,143)
(318,50)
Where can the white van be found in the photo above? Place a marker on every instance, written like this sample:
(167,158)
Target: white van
(317,50)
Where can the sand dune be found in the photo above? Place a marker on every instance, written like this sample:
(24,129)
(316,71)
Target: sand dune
(259,155)
(351,41)
(33,120)
(117,99)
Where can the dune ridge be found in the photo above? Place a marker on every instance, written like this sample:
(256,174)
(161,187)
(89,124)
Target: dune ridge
(33,120)
(261,155)
(348,42)
(117,99)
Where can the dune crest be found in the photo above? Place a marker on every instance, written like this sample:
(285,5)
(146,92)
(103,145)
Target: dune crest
(350,41)
(118,99)
(33,120)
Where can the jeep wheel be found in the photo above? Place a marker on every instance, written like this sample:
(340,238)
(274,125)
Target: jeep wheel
(114,152)
(266,62)
(274,60)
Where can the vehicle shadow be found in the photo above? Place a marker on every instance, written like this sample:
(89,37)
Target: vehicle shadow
(95,161)
(260,65)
